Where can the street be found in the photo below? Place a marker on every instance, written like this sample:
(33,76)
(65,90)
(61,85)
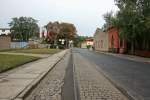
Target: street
(79,74)
(130,75)
(88,75)
(75,50)
(91,83)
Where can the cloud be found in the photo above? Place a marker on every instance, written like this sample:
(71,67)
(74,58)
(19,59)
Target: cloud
(85,14)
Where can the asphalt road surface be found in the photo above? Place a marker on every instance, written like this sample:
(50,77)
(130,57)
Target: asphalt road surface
(133,76)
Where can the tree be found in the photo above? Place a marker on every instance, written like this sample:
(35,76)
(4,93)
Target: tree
(79,39)
(110,21)
(133,18)
(53,29)
(58,30)
(24,28)
(144,12)
(67,31)
(128,20)
(133,23)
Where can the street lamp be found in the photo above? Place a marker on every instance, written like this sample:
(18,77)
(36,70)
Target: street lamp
(62,41)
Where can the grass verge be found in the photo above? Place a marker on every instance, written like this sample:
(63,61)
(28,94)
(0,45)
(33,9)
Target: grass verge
(11,61)
(35,51)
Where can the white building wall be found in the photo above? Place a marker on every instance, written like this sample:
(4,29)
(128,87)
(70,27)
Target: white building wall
(101,40)
(4,31)
(89,43)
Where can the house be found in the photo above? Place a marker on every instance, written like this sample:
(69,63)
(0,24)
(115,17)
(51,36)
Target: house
(5,39)
(5,31)
(88,43)
(84,45)
(115,43)
(109,41)
(100,40)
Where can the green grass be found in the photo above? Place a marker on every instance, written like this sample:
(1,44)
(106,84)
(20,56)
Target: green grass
(35,51)
(11,61)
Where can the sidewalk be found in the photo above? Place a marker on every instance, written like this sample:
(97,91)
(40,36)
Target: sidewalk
(129,57)
(92,84)
(16,83)
(50,87)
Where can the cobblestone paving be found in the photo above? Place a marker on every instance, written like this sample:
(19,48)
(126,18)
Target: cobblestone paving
(50,87)
(91,83)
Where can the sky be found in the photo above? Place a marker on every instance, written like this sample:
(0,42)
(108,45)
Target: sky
(86,15)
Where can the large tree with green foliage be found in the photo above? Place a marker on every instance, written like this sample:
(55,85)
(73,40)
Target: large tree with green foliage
(133,22)
(111,20)
(24,28)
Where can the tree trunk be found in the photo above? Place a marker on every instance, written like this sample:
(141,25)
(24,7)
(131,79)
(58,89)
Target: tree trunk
(55,41)
(66,43)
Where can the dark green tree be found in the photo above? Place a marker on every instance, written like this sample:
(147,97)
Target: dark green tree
(78,40)
(133,17)
(24,28)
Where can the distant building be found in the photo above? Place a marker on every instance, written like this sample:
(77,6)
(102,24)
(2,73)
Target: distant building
(5,31)
(109,41)
(88,43)
(84,45)
(100,40)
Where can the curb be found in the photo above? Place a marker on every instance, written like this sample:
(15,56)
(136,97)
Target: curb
(33,84)
(127,58)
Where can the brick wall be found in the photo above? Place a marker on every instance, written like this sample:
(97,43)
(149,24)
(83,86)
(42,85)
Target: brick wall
(113,38)
(142,53)
(5,42)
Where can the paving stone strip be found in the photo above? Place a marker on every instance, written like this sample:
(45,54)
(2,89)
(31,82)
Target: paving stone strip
(92,84)
(16,83)
(50,87)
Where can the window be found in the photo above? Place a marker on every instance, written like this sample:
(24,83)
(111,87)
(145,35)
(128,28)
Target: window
(101,43)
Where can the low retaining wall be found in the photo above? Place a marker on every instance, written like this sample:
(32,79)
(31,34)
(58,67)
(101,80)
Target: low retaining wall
(114,50)
(19,45)
(142,53)
(5,42)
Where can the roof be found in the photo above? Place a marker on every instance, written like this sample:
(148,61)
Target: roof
(98,30)
(89,39)
(4,28)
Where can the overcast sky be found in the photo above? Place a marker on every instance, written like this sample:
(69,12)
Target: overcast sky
(86,15)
